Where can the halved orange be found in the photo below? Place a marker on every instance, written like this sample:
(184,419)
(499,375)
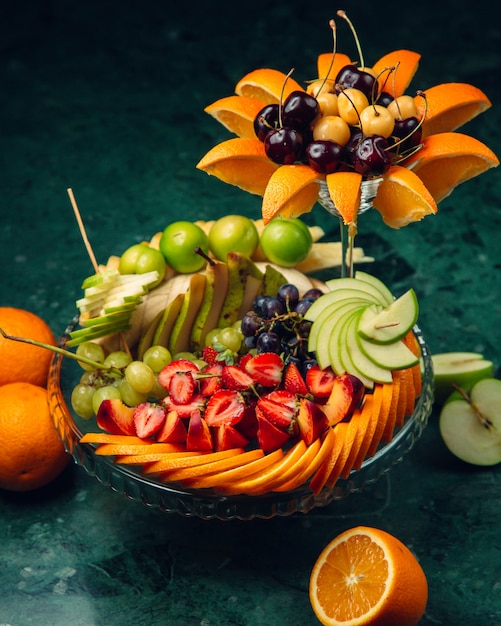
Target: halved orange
(368,576)
(291,191)
(240,161)
(450,105)
(448,159)
(405,64)
(236,113)
(324,61)
(402,198)
(344,190)
(267,85)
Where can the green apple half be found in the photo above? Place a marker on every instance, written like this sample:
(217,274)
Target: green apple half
(458,369)
(471,425)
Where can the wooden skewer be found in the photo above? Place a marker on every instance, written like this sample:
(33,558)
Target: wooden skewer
(81,226)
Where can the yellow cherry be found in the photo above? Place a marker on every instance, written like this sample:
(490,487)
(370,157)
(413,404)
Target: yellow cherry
(332,128)
(320,86)
(328,103)
(350,102)
(403,107)
(377,120)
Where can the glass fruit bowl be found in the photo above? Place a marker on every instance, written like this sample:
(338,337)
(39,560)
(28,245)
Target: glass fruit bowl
(207,503)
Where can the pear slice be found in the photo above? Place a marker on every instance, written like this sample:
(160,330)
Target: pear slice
(460,369)
(163,330)
(471,427)
(392,322)
(216,289)
(179,340)
(239,266)
(392,356)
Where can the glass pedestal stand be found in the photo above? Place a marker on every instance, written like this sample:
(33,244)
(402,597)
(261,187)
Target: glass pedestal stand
(368,191)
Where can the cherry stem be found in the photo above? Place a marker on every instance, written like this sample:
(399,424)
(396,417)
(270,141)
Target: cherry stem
(345,17)
(289,74)
(71,355)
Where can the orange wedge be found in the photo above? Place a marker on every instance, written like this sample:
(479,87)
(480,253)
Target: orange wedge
(109,438)
(448,159)
(113,449)
(322,474)
(384,394)
(412,343)
(403,198)
(240,161)
(393,409)
(450,105)
(324,61)
(266,85)
(175,461)
(344,190)
(405,64)
(341,430)
(402,397)
(236,113)
(291,191)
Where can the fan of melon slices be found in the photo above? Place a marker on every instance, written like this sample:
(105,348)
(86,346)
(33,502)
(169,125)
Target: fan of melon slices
(420,162)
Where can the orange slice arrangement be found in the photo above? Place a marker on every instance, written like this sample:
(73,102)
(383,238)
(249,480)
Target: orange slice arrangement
(435,168)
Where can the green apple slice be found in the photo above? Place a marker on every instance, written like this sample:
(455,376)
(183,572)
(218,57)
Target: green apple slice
(471,428)
(331,297)
(367,288)
(392,356)
(325,321)
(335,340)
(101,278)
(458,369)
(391,323)
(386,294)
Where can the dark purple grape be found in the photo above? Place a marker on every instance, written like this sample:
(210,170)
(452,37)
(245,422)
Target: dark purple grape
(283,145)
(250,342)
(324,155)
(371,156)
(251,322)
(272,306)
(352,76)
(267,119)
(303,305)
(268,342)
(257,305)
(300,110)
(313,293)
(288,294)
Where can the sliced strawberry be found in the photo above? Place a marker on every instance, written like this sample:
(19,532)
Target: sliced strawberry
(173,430)
(149,418)
(320,381)
(209,380)
(269,437)
(179,365)
(181,387)
(209,354)
(115,417)
(266,369)
(248,424)
(283,396)
(226,406)
(199,437)
(293,379)
(311,420)
(280,415)
(227,437)
(243,360)
(197,402)
(235,378)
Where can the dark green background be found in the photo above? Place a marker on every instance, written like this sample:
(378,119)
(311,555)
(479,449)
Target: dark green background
(107,98)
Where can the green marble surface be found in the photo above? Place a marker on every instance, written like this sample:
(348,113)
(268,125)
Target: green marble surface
(107,98)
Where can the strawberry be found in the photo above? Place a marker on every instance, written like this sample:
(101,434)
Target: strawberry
(283,396)
(226,406)
(209,355)
(179,365)
(196,402)
(199,437)
(148,418)
(235,378)
(269,437)
(320,381)
(248,424)
(266,369)
(173,430)
(115,417)
(210,379)
(279,414)
(181,387)
(293,379)
(227,437)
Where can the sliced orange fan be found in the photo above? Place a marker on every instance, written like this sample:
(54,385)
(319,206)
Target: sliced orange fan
(266,85)
(324,61)
(404,64)
(448,159)
(236,113)
(402,198)
(291,191)
(241,162)
(344,190)
(450,105)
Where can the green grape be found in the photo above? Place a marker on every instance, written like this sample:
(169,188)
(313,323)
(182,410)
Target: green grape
(189,356)
(230,338)
(158,391)
(108,392)
(81,400)
(118,359)
(88,378)
(129,395)
(212,337)
(140,376)
(92,351)
(157,357)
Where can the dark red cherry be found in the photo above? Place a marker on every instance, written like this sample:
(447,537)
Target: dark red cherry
(324,156)
(266,120)
(371,157)
(352,76)
(350,148)
(384,99)
(283,145)
(409,130)
(299,110)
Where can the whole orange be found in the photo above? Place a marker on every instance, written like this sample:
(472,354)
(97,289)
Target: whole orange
(31,453)
(23,361)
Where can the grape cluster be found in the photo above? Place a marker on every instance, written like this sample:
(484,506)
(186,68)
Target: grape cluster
(277,324)
(346,123)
